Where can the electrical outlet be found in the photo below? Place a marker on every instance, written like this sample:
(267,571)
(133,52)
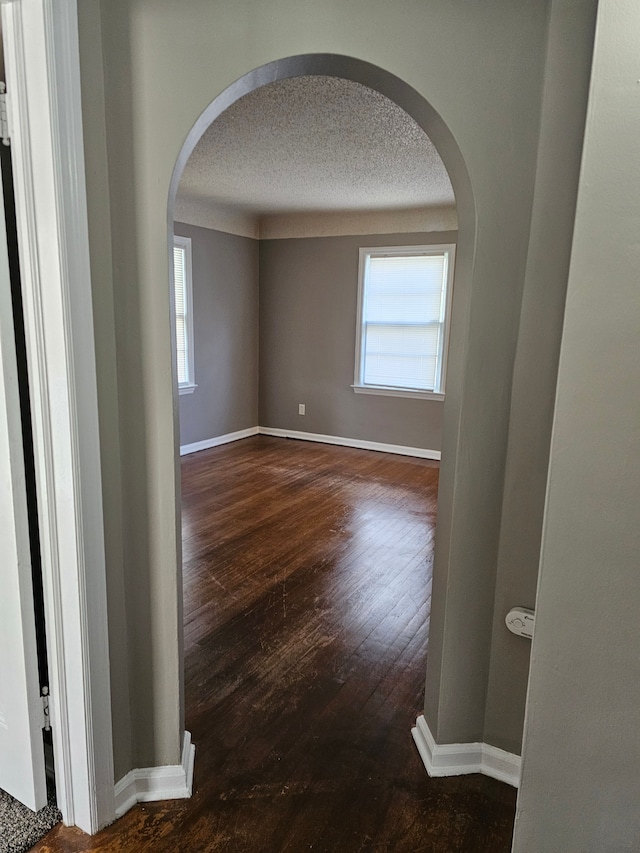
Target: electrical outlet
(301,409)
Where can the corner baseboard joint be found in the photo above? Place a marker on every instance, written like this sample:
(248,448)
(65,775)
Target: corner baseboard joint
(340,441)
(146,784)
(218,440)
(457,759)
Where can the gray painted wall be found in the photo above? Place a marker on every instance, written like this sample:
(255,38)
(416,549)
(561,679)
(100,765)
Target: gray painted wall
(308,296)
(121,652)
(225,297)
(163,64)
(581,766)
(536,365)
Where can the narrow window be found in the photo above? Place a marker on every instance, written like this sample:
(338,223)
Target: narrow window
(183,293)
(404,301)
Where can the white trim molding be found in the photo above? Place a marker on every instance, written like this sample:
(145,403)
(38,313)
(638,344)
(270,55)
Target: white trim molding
(420,452)
(185,449)
(400,449)
(458,759)
(384,391)
(41,53)
(146,784)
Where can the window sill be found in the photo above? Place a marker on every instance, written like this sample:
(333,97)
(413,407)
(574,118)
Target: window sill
(384,391)
(186,389)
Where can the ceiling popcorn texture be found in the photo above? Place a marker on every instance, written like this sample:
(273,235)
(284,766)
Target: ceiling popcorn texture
(315,144)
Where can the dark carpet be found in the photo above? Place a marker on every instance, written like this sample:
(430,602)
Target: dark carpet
(20,828)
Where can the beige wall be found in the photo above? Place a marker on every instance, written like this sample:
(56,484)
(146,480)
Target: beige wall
(581,764)
(480,66)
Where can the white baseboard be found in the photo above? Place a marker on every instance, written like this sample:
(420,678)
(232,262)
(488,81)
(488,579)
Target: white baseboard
(457,759)
(351,442)
(400,449)
(171,782)
(218,440)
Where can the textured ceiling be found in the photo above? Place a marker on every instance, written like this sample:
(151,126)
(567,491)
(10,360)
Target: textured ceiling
(315,144)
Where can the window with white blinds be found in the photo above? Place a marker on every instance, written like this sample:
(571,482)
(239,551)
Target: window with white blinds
(403,320)
(182,288)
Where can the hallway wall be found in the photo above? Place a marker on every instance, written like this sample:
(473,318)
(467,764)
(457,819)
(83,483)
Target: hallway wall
(536,362)
(163,64)
(581,763)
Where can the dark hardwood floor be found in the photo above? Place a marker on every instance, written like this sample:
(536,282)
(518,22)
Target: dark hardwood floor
(307,576)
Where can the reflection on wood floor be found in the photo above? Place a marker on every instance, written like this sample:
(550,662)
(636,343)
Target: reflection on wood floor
(307,577)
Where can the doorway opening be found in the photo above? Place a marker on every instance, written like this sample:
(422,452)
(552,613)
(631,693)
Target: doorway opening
(250,565)
(27,811)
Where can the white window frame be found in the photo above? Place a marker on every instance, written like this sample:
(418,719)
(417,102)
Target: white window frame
(449,250)
(184,243)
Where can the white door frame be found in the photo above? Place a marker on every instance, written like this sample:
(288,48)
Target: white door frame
(44,109)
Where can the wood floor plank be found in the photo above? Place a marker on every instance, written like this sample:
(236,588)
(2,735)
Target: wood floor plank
(307,583)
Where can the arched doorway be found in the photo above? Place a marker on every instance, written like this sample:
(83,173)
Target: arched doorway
(403,95)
